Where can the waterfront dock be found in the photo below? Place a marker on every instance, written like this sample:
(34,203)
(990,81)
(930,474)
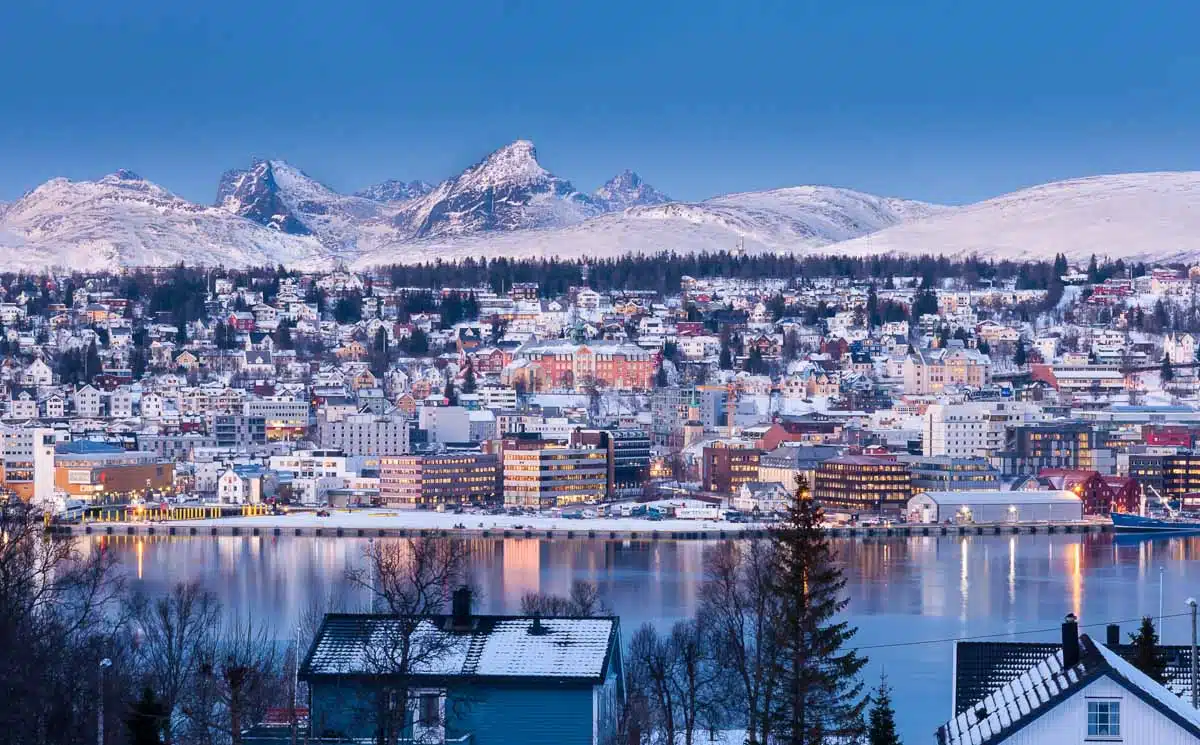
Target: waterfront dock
(651,532)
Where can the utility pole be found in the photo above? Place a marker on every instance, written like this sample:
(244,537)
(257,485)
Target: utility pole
(1195,680)
(104,665)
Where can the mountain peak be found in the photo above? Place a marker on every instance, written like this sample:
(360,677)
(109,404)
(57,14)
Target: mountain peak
(515,162)
(627,189)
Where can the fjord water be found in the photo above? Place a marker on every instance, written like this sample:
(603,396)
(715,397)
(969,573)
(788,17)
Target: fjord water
(902,591)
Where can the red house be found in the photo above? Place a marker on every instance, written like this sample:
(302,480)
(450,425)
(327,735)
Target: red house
(241,320)
(1100,494)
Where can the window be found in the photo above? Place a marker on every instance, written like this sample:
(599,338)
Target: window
(1104,718)
(430,709)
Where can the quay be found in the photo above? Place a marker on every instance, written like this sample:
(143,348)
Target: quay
(227,527)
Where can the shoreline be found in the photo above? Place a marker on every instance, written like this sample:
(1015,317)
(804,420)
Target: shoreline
(384,523)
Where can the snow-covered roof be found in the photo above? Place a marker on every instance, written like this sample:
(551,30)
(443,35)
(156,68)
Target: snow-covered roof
(990,496)
(489,646)
(1047,683)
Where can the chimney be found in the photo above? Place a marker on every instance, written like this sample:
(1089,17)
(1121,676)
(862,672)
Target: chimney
(1070,641)
(537,629)
(1113,638)
(460,607)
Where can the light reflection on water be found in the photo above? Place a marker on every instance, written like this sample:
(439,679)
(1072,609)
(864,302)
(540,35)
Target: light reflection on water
(901,590)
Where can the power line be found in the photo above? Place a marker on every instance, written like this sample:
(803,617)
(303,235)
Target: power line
(1006,633)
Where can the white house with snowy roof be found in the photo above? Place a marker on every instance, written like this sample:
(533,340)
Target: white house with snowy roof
(1081,692)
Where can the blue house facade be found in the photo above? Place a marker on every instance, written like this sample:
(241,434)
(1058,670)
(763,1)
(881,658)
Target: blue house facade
(462,678)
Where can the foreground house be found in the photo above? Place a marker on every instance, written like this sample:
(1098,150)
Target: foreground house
(1083,691)
(493,679)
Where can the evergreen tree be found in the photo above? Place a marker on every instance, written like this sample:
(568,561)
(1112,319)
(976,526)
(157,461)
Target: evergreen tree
(1093,271)
(146,719)
(874,320)
(283,335)
(881,722)
(660,376)
(450,394)
(137,363)
(1020,357)
(1147,655)
(91,362)
(1167,373)
(469,383)
(725,361)
(418,343)
(379,356)
(181,337)
(821,695)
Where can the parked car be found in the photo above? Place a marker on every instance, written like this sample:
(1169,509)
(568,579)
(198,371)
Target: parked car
(323,513)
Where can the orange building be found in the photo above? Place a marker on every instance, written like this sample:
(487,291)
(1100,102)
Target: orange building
(111,474)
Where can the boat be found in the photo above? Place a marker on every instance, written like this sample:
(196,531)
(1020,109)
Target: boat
(1127,522)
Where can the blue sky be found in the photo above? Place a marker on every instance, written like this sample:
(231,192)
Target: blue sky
(946,101)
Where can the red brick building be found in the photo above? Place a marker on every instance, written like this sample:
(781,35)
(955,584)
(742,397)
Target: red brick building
(558,364)
(1100,494)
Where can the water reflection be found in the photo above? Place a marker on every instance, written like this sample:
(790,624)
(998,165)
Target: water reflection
(900,590)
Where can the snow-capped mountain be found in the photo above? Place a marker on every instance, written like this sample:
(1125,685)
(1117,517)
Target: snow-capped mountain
(394,190)
(508,190)
(626,190)
(802,218)
(282,197)
(1133,215)
(124,220)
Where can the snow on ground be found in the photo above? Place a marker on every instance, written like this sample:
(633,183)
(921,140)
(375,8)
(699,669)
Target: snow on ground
(1154,216)
(420,519)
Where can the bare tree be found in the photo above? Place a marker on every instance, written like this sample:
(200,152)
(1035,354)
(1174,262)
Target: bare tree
(412,581)
(652,672)
(173,632)
(584,600)
(239,675)
(698,679)
(738,603)
(57,621)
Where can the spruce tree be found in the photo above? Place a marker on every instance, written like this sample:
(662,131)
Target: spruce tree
(145,720)
(881,722)
(1166,372)
(1147,655)
(820,694)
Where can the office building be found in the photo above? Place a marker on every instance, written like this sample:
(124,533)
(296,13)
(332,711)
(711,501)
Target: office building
(428,480)
(863,485)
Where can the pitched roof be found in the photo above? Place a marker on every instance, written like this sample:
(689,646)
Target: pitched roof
(1045,683)
(574,649)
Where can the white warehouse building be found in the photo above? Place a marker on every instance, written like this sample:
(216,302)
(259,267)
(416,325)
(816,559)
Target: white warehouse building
(992,506)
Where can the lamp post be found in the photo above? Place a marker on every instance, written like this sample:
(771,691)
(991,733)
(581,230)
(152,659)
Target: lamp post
(1191,602)
(104,665)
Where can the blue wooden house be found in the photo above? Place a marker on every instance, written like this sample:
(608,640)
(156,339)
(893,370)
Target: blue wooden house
(473,679)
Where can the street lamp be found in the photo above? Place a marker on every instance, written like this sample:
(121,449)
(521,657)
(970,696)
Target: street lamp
(104,665)
(1191,603)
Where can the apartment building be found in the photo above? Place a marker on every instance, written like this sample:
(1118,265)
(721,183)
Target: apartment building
(976,428)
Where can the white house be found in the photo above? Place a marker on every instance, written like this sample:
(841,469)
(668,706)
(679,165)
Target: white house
(120,403)
(86,401)
(38,373)
(152,406)
(1084,692)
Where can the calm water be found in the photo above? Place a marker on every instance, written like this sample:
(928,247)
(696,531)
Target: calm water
(901,590)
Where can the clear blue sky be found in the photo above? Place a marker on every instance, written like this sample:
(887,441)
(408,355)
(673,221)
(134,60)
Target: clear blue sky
(948,101)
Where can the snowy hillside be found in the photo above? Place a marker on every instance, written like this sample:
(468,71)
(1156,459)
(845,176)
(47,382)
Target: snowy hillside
(795,219)
(124,220)
(508,190)
(1134,215)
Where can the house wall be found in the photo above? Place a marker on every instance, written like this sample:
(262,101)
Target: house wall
(1067,722)
(551,714)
